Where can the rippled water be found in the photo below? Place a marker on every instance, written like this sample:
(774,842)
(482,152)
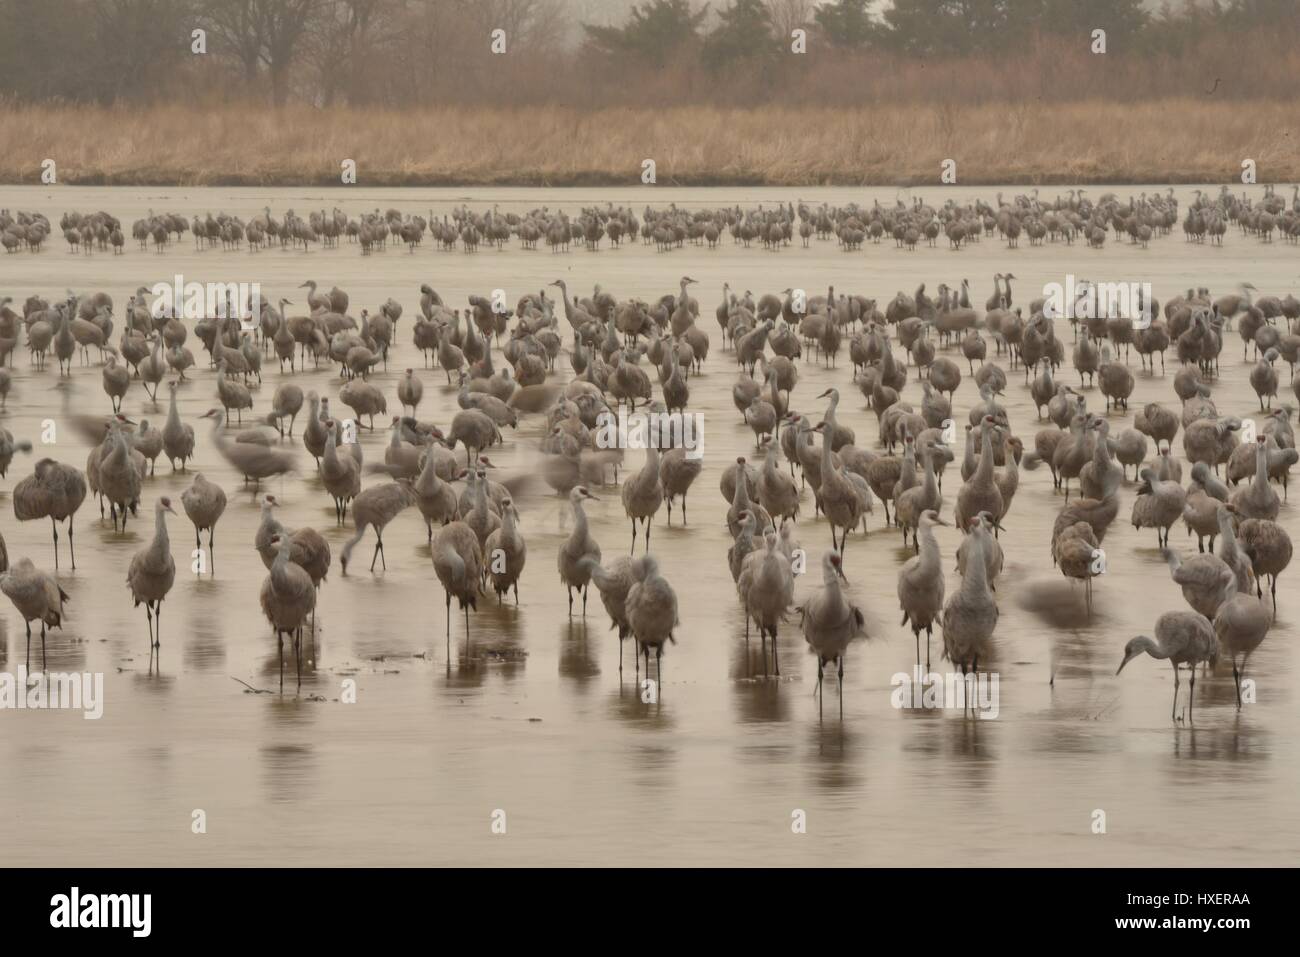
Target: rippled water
(531,717)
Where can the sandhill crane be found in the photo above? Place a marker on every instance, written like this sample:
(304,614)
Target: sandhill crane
(178,438)
(642,495)
(204,502)
(1158,505)
(232,394)
(830,621)
(377,506)
(613,582)
(777,493)
(288,599)
(152,572)
(1183,638)
(410,390)
(116,379)
(1258,500)
(458,563)
(839,500)
(652,612)
(119,479)
(677,471)
(971,613)
(340,474)
(475,430)
(7,449)
(981,492)
(53,491)
(285,403)
(1269,549)
(920,584)
(37,596)
(505,552)
(1240,625)
(766,589)
(308,547)
(579,545)
(249,459)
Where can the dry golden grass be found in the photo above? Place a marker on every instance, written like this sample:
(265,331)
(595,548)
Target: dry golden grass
(1162,141)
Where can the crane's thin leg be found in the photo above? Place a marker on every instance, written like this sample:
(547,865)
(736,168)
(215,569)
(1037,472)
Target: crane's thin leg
(28,664)
(1173,714)
(44,666)
(584,601)
(817,690)
(212,554)
(1236,679)
(55,525)
(279,653)
(841,687)
(1191,695)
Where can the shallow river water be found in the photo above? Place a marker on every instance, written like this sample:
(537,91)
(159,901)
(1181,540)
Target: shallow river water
(531,718)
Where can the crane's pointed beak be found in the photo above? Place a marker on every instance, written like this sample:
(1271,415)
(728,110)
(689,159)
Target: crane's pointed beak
(1127,659)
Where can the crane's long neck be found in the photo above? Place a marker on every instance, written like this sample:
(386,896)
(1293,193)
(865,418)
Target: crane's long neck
(833,594)
(161,544)
(330,454)
(740,497)
(930,562)
(984,471)
(931,482)
(428,481)
(827,465)
(1261,466)
(974,583)
(579,521)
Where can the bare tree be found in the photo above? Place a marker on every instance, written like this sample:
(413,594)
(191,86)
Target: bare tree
(788,15)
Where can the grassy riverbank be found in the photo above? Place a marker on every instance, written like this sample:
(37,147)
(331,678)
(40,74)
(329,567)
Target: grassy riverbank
(1163,141)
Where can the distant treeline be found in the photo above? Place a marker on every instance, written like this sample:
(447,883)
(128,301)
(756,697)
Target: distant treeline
(399,54)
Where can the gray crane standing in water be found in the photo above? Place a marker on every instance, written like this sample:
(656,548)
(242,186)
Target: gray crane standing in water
(1182,638)
(766,587)
(204,502)
(830,621)
(579,545)
(652,612)
(152,573)
(288,599)
(37,596)
(613,582)
(971,613)
(458,563)
(643,493)
(377,506)
(920,584)
(54,491)
(1240,625)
